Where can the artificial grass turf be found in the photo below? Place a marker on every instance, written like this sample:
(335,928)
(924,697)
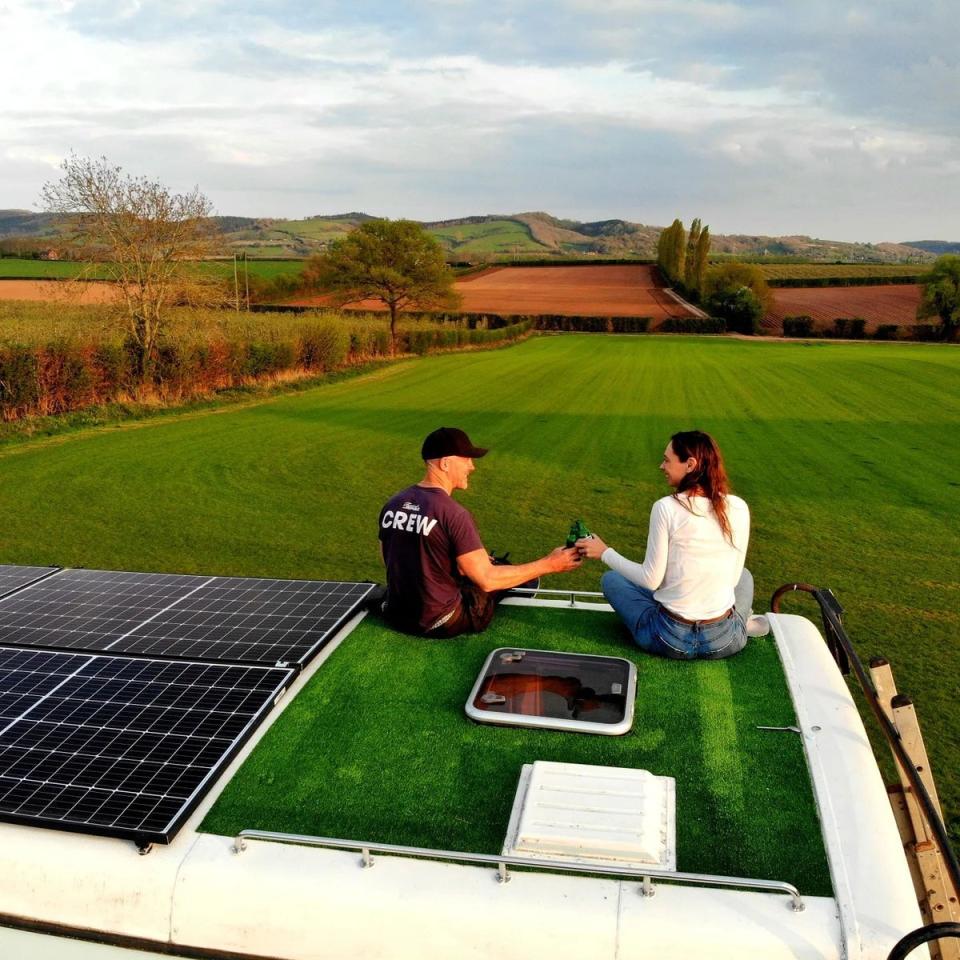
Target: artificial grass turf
(377,747)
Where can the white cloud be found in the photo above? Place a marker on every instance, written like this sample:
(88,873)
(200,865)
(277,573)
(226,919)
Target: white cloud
(350,100)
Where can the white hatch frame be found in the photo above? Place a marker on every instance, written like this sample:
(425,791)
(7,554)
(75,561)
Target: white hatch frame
(500,718)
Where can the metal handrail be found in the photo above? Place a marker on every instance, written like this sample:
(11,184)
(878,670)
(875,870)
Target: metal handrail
(561,593)
(831,612)
(502,862)
(534,592)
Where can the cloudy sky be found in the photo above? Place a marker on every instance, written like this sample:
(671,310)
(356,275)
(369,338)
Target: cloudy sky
(761,116)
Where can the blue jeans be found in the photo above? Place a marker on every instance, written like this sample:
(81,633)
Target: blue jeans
(656,632)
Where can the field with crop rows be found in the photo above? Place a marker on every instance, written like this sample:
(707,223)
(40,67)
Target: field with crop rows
(895,303)
(841,271)
(592,291)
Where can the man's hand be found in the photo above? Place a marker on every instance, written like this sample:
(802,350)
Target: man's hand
(590,548)
(563,559)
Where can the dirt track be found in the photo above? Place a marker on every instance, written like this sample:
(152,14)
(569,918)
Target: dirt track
(599,291)
(888,303)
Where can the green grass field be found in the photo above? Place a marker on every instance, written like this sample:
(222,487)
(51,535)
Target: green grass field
(846,453)
(64,269)
(494,236)
(326,768)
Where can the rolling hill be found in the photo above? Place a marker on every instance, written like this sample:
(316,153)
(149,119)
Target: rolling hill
(492,237)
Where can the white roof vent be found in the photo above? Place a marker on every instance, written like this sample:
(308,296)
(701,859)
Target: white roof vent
(577,813)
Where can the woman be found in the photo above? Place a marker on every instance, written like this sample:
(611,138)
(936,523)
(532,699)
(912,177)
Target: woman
(691,596)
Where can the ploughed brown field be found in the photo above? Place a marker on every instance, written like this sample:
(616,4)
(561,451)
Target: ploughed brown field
(889,303)
(57,290)
(599,291)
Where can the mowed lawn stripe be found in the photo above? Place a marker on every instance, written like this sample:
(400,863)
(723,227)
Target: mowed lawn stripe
(846,453)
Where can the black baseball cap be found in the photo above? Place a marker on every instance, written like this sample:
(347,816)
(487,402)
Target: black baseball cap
(449,442)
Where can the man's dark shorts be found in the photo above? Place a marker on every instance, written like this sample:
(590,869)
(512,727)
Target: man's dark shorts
(472,614)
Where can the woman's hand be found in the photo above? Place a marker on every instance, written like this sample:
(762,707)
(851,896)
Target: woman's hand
(590,548)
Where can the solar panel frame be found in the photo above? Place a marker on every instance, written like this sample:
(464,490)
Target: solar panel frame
(181,616)
(109,745)
(14,577)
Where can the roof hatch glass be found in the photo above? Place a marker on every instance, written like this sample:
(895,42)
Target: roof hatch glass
(558,691)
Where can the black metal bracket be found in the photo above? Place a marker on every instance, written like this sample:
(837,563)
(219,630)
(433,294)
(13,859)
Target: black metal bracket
(935,931)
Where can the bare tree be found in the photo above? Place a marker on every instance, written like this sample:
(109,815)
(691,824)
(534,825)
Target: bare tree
(146,239)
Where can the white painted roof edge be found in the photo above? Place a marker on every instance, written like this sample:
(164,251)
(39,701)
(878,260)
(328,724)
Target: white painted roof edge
(871,878)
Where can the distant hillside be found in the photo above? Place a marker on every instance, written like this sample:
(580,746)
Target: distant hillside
(515,236)
(26,223)
(937,247)
(813,248)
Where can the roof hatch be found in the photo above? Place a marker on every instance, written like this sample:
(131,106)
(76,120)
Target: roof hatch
(559,691)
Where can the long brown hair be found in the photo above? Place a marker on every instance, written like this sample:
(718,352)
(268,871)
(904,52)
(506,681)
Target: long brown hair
(710,474)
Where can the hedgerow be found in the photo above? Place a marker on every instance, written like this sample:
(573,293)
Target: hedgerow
(54,359)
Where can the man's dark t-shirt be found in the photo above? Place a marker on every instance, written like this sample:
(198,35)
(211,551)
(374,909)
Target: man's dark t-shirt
(423,530)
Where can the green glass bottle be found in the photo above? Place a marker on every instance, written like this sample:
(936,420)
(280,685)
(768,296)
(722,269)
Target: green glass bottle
(578,530)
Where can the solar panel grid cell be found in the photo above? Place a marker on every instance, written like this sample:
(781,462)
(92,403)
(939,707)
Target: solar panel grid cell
(246,620)
(250,620)
(88,609)
(121,746)
(12,576)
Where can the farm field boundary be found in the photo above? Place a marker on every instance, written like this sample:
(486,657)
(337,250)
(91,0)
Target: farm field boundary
(54,362)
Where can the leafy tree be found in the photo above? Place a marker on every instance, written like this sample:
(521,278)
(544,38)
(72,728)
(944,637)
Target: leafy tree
(149,242)
(941,294)
(738,292)
(393,261)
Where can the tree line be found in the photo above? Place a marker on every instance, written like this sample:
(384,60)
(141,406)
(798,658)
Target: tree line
(152,242)
(682,256)
(736,292)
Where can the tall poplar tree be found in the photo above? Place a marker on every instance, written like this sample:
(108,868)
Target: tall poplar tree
(700,260)
(678,251)
(690,255)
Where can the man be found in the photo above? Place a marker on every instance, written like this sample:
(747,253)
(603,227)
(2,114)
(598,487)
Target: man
(441,581)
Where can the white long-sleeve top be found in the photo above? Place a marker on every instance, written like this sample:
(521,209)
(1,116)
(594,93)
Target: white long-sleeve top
(689,564)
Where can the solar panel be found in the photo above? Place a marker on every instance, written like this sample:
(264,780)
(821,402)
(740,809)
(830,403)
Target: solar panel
(120,746)
(13,577)
(88,609)
(246,620)
(250,620)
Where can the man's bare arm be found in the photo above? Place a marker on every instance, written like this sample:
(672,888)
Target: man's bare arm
(477,566)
